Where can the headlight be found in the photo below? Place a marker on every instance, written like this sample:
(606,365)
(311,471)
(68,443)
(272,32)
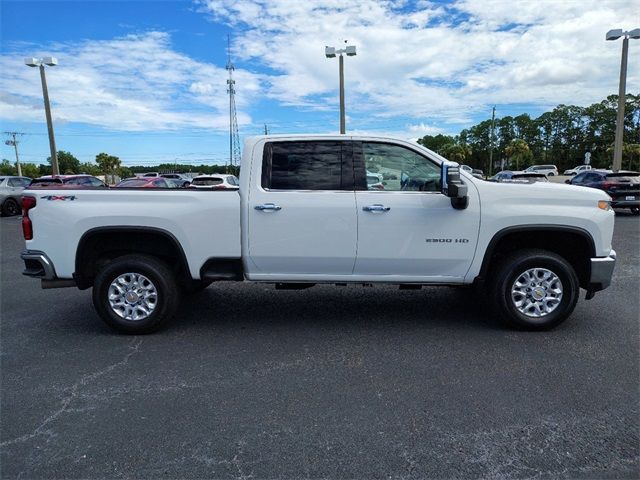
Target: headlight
(604,205)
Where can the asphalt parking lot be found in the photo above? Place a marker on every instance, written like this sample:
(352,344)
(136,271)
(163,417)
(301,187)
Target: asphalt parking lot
(329,382)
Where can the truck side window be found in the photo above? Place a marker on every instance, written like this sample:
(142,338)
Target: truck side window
(395,168)
(306,165)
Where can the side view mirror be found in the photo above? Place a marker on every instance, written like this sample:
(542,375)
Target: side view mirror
(453,187)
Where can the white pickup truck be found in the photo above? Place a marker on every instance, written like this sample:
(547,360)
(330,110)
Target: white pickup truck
(304,214)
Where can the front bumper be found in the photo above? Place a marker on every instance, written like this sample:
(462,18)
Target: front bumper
(601,272)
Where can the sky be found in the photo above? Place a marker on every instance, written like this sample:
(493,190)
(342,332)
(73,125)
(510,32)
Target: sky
(146,80)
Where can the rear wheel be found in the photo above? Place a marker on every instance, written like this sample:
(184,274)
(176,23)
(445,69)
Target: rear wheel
(10,207)
(135,294)
(534,290)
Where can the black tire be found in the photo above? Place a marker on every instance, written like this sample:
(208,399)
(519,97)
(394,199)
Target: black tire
(514,267)
(635,210)
(551,174)
(165,301)
(10,207)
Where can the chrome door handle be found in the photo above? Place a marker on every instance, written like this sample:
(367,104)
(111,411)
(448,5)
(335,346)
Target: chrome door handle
(376,208)
(268,206)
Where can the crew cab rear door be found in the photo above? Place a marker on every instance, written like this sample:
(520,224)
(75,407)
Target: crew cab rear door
(407,229)
(302,211)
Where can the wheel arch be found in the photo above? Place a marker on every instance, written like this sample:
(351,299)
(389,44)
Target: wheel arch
(98,246)
(575,244)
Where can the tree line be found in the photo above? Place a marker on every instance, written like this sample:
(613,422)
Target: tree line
(104,164)
(560,137)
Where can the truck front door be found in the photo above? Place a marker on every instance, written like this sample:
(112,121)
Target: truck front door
(406,227)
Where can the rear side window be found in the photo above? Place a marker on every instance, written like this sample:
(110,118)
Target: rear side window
(307,165)
(207,181)
(18,182)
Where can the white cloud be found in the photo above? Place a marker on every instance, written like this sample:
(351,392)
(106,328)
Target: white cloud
(136,82)
(434,61)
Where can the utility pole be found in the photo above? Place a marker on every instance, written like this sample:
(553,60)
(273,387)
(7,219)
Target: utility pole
(234,136)
(266,130)
(493,121)
(14,142)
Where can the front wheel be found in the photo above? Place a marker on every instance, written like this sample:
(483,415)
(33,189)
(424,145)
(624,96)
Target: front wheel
(534,290)
(135,294)
(635,210)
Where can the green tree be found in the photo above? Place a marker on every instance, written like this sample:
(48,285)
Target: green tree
(519,151)
(456,152)
(90,168)
(124,172)
(108,164)
(436,143)
(7,168)
(30,170)
(67,163)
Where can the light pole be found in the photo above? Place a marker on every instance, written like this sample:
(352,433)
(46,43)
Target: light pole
(330,52)
(41,62)
(614,35)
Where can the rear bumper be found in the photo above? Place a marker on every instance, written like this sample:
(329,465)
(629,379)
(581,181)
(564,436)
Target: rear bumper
(38,265)
(601,272)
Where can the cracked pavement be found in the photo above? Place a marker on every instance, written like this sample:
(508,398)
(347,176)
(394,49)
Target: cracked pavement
(329,382)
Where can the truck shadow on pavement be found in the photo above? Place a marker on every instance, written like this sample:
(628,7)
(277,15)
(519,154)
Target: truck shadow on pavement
(234,305)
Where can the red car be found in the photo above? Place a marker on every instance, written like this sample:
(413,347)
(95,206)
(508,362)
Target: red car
(145,182)
(67,181)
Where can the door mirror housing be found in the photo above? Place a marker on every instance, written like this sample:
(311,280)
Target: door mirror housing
(453,186)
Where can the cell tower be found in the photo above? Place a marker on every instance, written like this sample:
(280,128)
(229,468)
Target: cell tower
(234,136)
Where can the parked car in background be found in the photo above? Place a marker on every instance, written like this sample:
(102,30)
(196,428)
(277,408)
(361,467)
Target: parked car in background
(519,177)
(146,182)
(11,188)
(550,170)
(68,181)
(623,187)
(476,172)
(578,169)
(178,178)
(215,182)
(374,182)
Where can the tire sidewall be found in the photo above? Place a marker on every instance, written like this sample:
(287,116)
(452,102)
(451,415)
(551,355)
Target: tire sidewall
(570,291)
(157,273)
(5,207)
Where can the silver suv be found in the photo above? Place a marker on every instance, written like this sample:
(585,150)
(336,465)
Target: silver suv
(10,192)
(549,170)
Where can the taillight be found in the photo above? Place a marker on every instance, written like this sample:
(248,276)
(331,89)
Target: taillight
(609,185)
(27,228)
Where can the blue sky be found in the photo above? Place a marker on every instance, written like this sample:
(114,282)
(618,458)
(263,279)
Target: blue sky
(146,81)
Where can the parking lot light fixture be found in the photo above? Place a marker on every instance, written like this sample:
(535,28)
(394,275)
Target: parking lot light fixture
(51,62)
(614,35)
(331,52)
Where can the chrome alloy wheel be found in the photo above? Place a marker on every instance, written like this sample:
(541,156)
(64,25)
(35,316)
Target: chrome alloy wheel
(536,292)
(132,296)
